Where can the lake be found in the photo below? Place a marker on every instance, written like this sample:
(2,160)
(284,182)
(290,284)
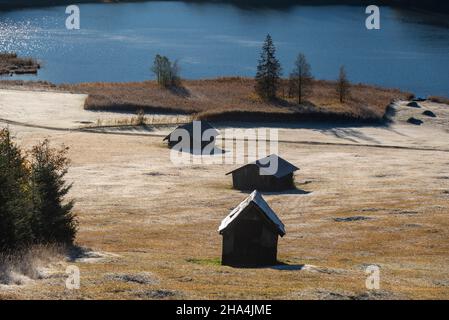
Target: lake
(117,42)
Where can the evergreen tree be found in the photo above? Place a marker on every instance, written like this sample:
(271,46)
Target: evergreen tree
(53,221)
(32,195)
(343,85)
(14,201)
(268,71)
(300,82)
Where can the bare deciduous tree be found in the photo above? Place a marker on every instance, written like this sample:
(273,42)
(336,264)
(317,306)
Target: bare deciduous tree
(343,85)
(300,82)
(166,72)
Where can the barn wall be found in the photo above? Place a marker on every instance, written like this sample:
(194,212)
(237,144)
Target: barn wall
(250,241)
(248,178)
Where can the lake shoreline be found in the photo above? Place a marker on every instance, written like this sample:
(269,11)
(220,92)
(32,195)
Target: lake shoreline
(431,6)
(230,99)
(214,40)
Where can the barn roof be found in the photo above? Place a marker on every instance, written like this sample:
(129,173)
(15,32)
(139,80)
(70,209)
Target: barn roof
(284,167)
(256,199)
(189,127)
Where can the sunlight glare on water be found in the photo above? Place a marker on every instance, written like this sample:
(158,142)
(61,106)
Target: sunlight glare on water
(117,42)
(21,36)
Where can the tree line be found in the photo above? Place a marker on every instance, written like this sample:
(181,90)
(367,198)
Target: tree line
(300,83)
(32,191)
(268,77)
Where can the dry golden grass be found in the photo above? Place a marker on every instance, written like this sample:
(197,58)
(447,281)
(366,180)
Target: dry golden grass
(234,99)
(438,99)
(10,63)
(141,120)
(161,221)
(156,221)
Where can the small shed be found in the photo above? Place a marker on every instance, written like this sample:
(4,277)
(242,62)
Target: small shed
(250,234)
(201,134)
(259,175)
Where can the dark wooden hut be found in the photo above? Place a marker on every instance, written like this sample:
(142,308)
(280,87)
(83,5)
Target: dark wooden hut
(201,133)
(259,175)
(250,234)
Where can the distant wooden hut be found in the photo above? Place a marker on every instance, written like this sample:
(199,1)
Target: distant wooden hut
(259,175)
(250,234)
(196,131)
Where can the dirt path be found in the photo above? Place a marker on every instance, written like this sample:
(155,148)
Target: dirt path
(144,132)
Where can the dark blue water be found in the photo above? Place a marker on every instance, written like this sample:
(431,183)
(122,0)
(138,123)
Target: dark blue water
(118,42)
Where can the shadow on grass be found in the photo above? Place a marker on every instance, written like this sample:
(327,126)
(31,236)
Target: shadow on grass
(349,134)
(293,191)
(179,91)
(282,266)
(198,152)
(296,123)
(82,254)
(76,252)
(126,127)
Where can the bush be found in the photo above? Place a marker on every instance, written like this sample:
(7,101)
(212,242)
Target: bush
(32,195)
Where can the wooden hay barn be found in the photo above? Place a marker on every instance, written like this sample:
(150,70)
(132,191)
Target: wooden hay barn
(258,176)
(250,234)
(196,131)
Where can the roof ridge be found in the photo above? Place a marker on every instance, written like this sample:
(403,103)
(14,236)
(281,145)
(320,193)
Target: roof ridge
(256,198)
(205,125)
(287,166)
